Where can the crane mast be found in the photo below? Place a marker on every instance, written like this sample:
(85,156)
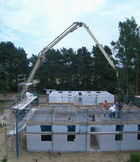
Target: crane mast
(42,53)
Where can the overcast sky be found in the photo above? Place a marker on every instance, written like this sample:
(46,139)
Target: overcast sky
(33,24)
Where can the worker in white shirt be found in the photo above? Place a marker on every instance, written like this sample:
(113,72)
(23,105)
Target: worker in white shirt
(112,111)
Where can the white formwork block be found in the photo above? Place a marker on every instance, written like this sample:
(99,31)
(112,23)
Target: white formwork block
(81,97)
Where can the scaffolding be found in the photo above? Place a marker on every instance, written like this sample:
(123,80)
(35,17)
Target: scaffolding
(20,110)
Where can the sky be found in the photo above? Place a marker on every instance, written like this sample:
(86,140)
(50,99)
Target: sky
(33,24)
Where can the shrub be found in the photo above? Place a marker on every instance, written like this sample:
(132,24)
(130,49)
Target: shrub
(134,157)
(4,159)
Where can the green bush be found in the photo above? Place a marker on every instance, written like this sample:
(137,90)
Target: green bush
(4,159)
(134,157)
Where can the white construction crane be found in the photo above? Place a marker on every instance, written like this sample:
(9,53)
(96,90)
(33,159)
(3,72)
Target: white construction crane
(43,53)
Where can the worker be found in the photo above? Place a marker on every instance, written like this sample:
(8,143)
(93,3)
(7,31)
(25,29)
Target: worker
(129,105)
(112,111)
(105,107)
(119,109)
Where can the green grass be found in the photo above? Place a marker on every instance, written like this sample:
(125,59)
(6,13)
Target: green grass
(134,157)
(2,106)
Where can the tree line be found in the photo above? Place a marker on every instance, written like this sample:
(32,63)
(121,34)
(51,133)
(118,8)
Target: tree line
(67,69)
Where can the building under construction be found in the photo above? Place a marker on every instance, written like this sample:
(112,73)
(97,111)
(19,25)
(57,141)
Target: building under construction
(74,121)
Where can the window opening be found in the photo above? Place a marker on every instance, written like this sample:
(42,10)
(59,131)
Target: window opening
(138,127)
(70,137)
(46,137)
(80,99)
(71,128)
(119,127)
(46,128)
(80,93)
(92,129)
(118,137)
(138,137)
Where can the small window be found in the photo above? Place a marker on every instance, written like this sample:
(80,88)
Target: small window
(93,117)
(71,128)
(46,138)
(92,129)
(69,91)
(80,93)
(46,128)
(60,92)
(69,99)
(119,127)
(139,127)
(70,137)
(138,137)
(80,99)
(118,137)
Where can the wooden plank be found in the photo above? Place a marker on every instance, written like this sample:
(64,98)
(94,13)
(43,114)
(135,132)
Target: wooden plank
(80,133)
(84,123)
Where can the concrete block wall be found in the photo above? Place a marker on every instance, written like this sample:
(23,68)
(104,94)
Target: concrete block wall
(34,142)
(82,142)
(59,142)
(87,98)
(62,97)
(54,99)
(128,142)
(108,97)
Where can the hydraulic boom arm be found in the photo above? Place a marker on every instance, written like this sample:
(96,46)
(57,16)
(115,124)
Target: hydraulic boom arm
(42,54)
(100,46)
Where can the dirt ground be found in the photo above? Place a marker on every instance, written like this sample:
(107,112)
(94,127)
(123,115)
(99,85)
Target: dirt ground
(7,149)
